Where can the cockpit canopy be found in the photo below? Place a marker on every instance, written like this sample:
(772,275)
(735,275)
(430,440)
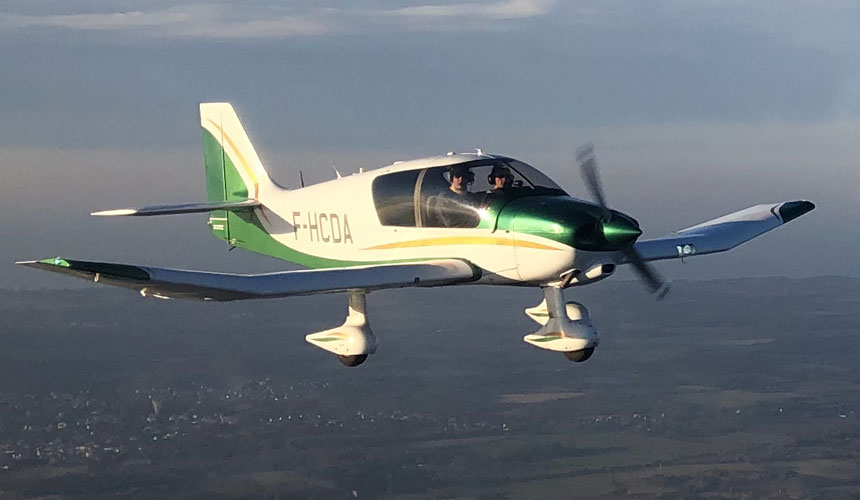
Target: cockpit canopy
(424,198)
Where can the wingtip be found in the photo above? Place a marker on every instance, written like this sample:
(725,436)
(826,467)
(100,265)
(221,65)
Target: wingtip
(791,210)
(52,261)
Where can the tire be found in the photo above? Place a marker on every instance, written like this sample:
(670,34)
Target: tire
(353,360)
(580,356)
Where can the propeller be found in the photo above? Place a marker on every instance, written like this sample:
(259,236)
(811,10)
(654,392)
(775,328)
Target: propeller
(587,161)
(588,166)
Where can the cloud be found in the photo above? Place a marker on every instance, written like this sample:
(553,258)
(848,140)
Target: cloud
(236,20)
(828,25)
(510,9)
(190,21)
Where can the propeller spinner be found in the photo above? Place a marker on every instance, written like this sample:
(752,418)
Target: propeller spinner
(619,231)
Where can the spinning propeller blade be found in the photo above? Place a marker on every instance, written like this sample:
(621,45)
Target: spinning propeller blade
(587,162)
(646,272)
(588,167)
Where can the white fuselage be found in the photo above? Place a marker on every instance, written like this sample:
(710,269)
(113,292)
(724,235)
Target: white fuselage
(338,220)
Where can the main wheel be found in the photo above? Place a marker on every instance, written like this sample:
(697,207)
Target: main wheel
(353,360)
(579,356)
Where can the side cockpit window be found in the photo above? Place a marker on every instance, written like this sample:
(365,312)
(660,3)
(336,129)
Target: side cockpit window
(393,196)
(424,198)
(446,202)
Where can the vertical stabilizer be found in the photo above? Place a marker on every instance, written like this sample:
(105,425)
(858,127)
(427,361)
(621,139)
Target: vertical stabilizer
(230,156)
(234,172)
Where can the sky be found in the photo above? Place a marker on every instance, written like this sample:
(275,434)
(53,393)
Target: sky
(697,108)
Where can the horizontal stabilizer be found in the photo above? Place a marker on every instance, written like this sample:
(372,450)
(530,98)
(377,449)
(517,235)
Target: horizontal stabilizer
(724,233)
(185,208)
(200,285)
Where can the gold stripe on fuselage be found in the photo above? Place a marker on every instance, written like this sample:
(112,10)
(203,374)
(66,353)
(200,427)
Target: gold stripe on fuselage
(462,240)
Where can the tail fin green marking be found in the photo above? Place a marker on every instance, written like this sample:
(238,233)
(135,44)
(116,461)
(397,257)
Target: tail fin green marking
(233,169)
(216,188)
(213,156)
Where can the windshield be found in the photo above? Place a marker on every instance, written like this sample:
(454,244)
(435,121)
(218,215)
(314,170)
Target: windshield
(535,177)
(522,175)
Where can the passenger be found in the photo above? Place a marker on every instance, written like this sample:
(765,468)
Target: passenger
(500,179)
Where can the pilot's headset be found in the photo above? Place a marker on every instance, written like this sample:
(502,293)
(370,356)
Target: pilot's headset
(500,171)
(461,171)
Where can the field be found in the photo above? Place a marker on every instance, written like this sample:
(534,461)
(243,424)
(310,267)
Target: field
(727,389)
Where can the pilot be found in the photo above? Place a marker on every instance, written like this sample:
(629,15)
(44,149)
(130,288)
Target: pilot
(461,177)
(500,178)
(456,207)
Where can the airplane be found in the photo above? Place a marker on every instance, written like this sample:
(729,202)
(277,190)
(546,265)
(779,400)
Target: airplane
(420,223)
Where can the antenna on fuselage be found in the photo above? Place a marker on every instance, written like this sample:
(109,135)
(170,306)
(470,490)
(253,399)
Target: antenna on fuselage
(301,179)
(335,171)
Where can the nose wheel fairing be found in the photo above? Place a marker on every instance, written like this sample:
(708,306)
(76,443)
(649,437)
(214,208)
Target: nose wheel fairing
(565,327)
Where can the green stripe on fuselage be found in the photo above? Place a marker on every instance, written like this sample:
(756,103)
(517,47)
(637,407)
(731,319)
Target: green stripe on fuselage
(246,231)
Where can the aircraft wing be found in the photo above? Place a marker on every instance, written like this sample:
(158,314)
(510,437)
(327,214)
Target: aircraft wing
(200,285)
(724,233)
